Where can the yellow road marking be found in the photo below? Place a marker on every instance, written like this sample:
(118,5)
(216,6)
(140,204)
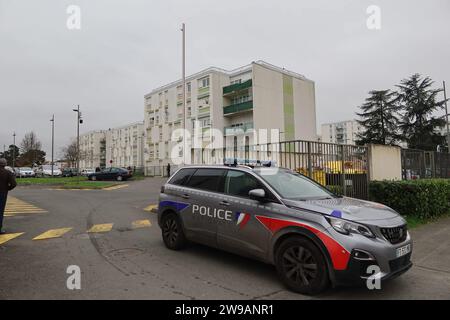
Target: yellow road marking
(15,206)
(53,233)
(105,227)
(151,208)
(120,186)
(9,236)
(141,223)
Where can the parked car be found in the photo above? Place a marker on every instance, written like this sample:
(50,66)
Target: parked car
(25,172)
(311,235)
(87,172)
(112,173)
(46,171)
(69,172)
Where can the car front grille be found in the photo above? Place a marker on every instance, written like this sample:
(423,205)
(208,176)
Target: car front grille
(399,263)
(396,234)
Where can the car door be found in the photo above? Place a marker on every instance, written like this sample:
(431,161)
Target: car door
(203,191)
(245,234)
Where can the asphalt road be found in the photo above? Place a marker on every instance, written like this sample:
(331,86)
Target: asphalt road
(127,262)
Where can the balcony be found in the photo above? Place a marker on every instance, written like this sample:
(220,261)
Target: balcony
(202,92)
(234,88)
(239,107)
(236,130)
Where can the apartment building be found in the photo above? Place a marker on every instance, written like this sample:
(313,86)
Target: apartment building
(125,145)
(92,149)
(344,132)
(226,109)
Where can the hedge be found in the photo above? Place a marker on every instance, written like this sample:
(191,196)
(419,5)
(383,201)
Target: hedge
(424,199)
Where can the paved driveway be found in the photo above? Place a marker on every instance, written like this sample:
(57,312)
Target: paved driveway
(117,245)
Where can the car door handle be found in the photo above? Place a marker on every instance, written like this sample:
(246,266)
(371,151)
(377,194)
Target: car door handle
(224,203)
(185,196)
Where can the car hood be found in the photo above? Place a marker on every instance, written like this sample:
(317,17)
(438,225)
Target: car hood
(347,208)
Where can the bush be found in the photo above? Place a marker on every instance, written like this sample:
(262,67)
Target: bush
(424,199)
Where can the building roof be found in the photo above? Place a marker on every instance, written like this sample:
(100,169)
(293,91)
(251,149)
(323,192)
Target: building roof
(230,73)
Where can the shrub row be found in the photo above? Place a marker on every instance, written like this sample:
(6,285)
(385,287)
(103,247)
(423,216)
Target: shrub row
(426,198)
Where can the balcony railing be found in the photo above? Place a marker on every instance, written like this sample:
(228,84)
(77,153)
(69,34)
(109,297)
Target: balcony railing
(239,107)
(237,87)
(246,127)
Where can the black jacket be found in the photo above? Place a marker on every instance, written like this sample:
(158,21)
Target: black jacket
(7,180)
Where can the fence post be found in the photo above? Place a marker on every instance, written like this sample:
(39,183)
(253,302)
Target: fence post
(309,160)
(344,186)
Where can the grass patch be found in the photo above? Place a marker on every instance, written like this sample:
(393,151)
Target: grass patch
(49,180)
(66,182)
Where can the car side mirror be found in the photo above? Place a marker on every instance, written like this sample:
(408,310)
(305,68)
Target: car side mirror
(257,194)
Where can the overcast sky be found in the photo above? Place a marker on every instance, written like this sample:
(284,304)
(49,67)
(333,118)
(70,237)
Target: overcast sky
(126,48)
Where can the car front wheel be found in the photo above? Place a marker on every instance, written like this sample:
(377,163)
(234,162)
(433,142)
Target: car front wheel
(172,232)
(119,178)
(301,266)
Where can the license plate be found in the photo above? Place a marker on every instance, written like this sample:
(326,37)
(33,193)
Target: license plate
(403,250)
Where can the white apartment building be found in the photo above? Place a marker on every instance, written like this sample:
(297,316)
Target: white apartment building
(125,145)
(237,103)
(92,149)
(344,132)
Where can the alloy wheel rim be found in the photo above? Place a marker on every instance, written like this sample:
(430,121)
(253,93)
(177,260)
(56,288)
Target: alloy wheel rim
(170,231)
(299,265)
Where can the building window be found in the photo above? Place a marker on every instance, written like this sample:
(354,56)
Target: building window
(203,83)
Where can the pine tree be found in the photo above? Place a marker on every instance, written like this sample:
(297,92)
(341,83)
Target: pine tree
(378,118)
(417,101)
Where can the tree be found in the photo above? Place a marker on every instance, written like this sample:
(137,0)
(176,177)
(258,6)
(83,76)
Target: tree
(31,158)
(378,117)
(30,142)
(31,153)
(70,153)
(417,101)
(12,152)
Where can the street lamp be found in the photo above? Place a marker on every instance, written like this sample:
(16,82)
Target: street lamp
(446,118)
(79,121)
(14,150)
(52,120)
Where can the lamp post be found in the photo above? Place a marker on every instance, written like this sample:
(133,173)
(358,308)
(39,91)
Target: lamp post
(14,150)
(52,120)
(446,118)
(79,121)
(183,72)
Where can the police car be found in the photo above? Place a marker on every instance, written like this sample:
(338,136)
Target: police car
(278,216)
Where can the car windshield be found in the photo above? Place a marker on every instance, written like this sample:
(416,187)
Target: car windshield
(25,169)
(291,185)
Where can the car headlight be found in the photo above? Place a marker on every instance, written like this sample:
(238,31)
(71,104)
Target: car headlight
(347,227)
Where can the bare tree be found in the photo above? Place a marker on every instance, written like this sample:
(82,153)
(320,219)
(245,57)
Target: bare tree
(70,153)
(30,142)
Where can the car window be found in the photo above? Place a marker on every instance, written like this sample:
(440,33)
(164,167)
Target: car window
(238,183)
(115,170)
(182,176)
(106,170)
(291,185)
(206,179)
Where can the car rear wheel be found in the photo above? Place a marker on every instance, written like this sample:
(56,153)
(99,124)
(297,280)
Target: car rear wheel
(93,178)
(119,178)
(301,266)
(172,232)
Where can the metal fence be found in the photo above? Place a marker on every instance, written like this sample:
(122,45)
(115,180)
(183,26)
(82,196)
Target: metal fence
(341,168)
(419,164)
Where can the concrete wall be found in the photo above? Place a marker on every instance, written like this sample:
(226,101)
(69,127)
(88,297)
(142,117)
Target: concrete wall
(385,162)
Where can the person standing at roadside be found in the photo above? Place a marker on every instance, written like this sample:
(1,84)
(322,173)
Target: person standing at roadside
(7,183)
